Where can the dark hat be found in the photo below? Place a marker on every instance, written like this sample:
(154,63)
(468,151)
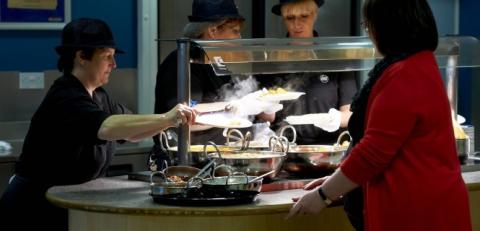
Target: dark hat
(277,9)
(87,33)
(213,10)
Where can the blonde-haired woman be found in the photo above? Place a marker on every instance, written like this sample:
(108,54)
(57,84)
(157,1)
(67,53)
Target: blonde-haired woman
(324,91)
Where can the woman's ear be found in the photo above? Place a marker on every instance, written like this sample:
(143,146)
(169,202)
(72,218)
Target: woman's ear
(80,58)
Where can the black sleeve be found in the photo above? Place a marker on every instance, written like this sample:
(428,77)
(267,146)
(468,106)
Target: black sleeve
(166,86)
(81,117)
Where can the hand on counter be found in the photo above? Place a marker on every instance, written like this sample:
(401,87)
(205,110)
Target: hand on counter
(310,203)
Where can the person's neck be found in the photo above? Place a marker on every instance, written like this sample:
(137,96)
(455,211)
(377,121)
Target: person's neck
(89,85)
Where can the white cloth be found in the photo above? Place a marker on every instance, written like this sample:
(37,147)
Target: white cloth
(329,122)
(333,123)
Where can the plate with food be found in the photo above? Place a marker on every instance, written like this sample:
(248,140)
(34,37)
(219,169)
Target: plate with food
(222,121)
(279,94)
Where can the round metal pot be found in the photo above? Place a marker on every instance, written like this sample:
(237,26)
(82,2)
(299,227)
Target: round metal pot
(164,182)
(160,184)
(314,160)
(184,172)
(164,188)
(243,142)
(253,162)
(197,155)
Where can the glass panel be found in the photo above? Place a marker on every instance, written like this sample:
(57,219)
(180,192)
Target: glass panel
(322,54)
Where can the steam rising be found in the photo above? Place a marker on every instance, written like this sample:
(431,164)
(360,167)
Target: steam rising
(240,87)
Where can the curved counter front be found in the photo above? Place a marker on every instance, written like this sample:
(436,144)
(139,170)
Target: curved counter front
(120,204)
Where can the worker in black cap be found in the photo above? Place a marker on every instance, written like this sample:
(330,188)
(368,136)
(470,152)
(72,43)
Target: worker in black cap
(72,134)
(210,20)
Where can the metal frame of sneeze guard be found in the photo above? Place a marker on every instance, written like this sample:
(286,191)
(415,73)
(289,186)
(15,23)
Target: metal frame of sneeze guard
(320,54)
(327,54)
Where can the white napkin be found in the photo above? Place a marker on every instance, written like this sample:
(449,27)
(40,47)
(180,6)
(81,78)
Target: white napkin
(329,122)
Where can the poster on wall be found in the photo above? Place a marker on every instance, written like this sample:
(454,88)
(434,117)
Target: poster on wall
(34,14)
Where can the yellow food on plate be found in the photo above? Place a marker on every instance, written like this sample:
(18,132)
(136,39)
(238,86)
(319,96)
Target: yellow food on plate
(345,143)
(457,129)
(234,122)
(274,91)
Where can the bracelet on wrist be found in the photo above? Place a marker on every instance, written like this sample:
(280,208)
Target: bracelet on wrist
(324,197)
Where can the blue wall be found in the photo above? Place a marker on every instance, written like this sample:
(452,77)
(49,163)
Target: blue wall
(444,16)
(33,50)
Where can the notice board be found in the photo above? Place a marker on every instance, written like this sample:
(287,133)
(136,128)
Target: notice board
(34,14)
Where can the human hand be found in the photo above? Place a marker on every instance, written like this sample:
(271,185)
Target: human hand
(310,203)
(332,123)
(315,183)
(181,114)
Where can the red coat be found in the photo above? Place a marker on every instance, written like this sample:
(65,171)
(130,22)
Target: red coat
(407,161)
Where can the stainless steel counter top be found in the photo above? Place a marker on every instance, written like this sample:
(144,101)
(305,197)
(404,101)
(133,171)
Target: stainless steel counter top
(122,149)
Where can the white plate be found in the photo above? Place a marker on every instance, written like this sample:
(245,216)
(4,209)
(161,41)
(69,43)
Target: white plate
(291,95)
(308,119)
(460,119)
(223,121)
(199,127)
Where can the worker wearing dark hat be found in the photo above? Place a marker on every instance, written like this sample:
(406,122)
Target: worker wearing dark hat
(72,134)
(210,20)
(325,92)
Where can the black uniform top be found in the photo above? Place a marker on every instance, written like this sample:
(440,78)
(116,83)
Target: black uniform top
(323,91)
(61,146)
(204,86)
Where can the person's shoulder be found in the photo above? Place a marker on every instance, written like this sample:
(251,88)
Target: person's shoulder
(66,85)
(171,56)
(413,64)
(101,91)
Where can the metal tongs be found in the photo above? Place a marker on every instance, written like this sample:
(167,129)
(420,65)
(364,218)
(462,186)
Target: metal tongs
(210,165)
(227,109)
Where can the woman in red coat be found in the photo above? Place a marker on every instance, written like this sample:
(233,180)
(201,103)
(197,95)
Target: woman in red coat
(404,154)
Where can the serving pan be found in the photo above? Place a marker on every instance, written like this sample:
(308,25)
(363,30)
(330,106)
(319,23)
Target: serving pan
(197,154)
(315,160)
(198,197)
(252,162)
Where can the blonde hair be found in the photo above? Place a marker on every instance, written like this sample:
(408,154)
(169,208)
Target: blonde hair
(300,7)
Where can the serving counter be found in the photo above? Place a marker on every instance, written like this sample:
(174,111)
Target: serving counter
(120,204)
